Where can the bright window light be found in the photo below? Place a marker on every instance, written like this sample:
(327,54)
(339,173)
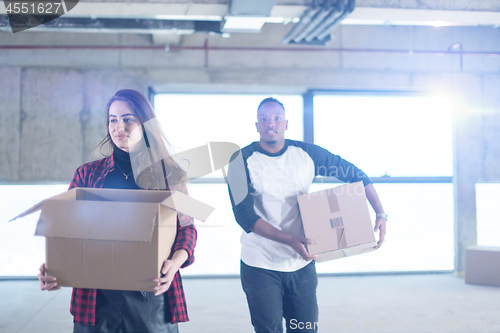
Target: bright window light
(488,214)
(218,245)
(387,135)
(192,120)
(22,253)
(420,241)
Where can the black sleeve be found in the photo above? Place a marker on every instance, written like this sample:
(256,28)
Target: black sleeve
(330,165)
(240,192)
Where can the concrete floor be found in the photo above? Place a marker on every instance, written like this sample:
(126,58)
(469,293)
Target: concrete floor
(377,303)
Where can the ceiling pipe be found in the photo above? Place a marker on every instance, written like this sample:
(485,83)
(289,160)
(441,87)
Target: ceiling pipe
(118,25)
(335,13)
(304,20)
(245,49)
(347,10)
(317,19)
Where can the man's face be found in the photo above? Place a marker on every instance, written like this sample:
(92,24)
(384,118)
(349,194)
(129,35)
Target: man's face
(271,123)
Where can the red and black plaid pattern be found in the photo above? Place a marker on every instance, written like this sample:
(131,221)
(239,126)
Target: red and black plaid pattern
(83,301)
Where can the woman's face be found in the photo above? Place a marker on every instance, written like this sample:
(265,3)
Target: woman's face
(122,121)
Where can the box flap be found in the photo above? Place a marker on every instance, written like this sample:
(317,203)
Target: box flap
(29,211)
(97,220)
(106,194)
(188,206)
(68,195)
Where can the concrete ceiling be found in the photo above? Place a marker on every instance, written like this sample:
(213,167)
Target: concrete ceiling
(458,12)
(367,12)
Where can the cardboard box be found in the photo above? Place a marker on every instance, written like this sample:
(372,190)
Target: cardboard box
(111,239)
(482,265)
(338,220)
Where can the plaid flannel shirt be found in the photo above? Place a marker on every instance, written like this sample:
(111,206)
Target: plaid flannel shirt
(83,301)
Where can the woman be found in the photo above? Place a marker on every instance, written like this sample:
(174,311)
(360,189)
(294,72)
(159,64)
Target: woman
(135,139)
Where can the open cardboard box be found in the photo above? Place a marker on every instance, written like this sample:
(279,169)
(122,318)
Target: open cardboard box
(338,220)
(111,239)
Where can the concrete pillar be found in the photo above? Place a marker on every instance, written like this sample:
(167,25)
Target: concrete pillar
(491,129)
(51,135)
(10,120)
(468,161)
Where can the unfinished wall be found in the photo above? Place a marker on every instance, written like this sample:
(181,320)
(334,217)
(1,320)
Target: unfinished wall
(51,100)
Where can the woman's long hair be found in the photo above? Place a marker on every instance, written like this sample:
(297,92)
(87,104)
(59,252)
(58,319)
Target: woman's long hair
(154,167)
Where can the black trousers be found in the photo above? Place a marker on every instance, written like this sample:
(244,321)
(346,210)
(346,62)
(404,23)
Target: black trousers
(121,311)
(273,295)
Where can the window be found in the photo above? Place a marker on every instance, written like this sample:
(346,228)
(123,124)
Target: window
(387,134)
(403,142)
(409,136)
(192,120)
(488,212)
(419,231)
(21,253)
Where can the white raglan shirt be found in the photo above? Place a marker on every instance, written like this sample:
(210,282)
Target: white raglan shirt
(265,185)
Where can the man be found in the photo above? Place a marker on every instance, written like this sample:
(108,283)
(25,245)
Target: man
(277,272)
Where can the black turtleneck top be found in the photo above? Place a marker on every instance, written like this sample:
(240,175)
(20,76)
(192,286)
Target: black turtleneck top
(116,178)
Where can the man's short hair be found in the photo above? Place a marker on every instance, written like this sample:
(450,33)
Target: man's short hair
(269,100)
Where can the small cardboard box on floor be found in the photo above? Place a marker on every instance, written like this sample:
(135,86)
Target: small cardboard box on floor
(111,239)
(338,220)
(482,265)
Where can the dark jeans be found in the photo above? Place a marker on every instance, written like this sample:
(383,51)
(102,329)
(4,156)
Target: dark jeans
(130,311)
(273,295)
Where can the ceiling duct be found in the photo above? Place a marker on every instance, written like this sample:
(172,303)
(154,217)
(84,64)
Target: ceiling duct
(304,20)
(251,8)
(248,16)
(112,25)
(348,9)
(315,25)
(332,17)
(315,21)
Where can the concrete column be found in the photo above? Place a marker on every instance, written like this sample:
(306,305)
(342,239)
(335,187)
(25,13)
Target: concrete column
(10,122)
(51,136)
(491,129)
(467,160)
